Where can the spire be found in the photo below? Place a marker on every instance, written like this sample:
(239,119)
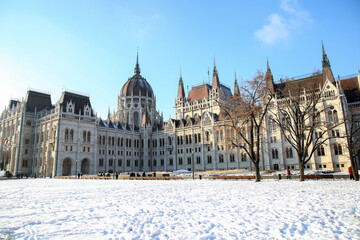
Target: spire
(269,79)
(236,87)
(326,68)
(215,82)
(137,67)
(325,60)
(109,113)
(181,92)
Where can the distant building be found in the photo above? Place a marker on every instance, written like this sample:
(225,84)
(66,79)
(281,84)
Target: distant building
(67,137)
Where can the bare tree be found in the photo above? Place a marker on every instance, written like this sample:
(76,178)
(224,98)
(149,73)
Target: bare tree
(353,141)
(245,113)
(298,114)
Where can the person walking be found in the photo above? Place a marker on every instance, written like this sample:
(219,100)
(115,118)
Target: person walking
(351,173)
(288,173)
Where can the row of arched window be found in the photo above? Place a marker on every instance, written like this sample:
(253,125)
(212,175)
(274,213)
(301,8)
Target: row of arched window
(288,151)
(320,151)
(69,134)
(332,117)
(161,142)
(209,159)
(120,141)
(188,138)
(86,136)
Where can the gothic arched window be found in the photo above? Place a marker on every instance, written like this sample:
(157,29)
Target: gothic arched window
(71,135)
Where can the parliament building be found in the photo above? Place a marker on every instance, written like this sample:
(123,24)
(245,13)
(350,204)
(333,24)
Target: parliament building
(65,138)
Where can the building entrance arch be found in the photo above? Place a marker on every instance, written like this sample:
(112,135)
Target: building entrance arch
(66,167)
(85,166)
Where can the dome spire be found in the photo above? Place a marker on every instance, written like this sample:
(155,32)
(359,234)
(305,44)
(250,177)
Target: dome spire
(137,67)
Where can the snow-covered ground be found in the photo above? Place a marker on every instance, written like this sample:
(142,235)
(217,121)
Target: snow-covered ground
(184,209)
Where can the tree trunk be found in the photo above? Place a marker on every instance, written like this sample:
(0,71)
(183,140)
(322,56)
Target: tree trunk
(257,172)
(354,168)
(302,171)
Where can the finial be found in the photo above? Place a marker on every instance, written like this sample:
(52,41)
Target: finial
(137,55)
(180,73)
(214,62)
(323,49)
(267,62)
(137,67)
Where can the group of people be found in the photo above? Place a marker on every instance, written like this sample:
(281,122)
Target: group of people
(108,175)
(288,173)
(142,175)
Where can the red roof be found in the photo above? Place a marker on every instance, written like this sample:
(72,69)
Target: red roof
(350,84)
(350,87)
(199,92)
(309,83)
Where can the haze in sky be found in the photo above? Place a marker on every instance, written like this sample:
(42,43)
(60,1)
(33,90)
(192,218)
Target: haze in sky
(90,46)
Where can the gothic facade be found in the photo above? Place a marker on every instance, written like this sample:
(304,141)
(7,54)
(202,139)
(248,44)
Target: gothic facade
(66,138)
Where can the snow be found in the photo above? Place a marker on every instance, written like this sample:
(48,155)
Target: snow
(182,209)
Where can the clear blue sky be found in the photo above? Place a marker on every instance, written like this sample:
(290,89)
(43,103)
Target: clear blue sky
(90,46)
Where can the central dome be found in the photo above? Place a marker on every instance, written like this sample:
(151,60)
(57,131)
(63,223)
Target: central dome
(136,85)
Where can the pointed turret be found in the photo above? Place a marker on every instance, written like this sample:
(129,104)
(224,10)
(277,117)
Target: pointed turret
(181,92)
(325,60)
(215,81)
(327,72)
(269,79)
(137,67)
(236,87)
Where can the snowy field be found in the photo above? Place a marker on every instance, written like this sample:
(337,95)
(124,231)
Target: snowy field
(185,209)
